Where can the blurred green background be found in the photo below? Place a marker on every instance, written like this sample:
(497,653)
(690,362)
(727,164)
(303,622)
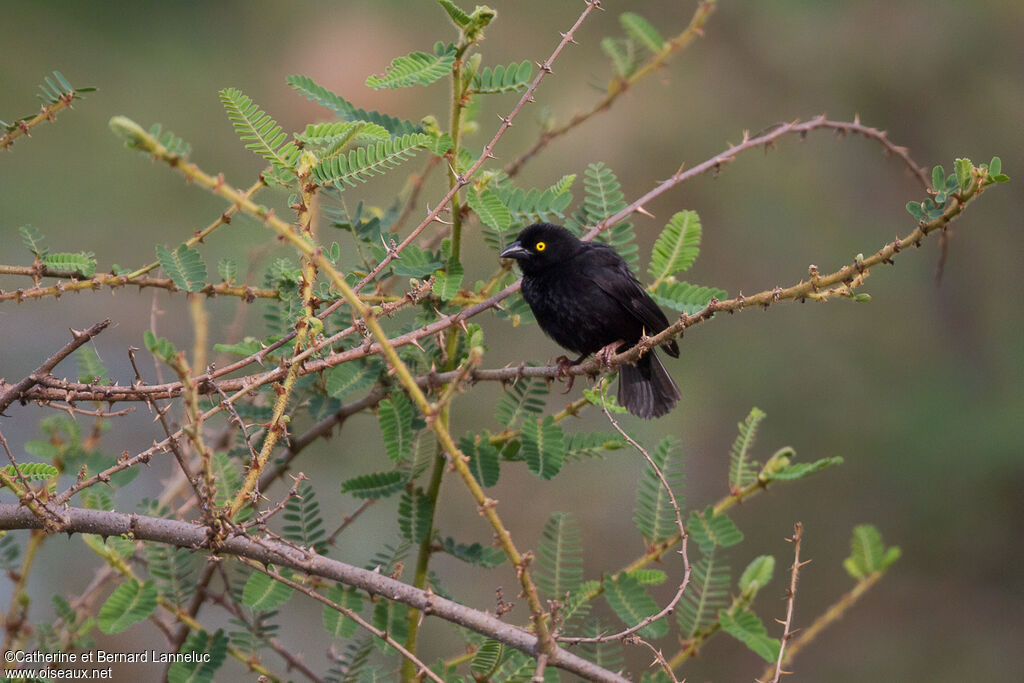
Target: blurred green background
(918,390)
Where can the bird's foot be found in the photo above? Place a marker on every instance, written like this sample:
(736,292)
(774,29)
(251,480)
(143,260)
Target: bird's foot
(604,356)
(563,363)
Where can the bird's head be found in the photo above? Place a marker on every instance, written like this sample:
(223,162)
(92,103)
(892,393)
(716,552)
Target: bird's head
(541,246)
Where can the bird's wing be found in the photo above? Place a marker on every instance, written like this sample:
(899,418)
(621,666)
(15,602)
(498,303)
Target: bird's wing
(623,286)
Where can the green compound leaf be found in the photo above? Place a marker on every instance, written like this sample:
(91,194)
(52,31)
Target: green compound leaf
(335,623)
(33,240)
(641,31)
(375,485)
(197,644)
(32,471)
(227,269)
(416,68)
(475,553)
(523,399)
(502,79)
(707,593)
(868,555)
(263,593)
(747,628)
(543,446)
(487,659)
(622,54)
(604,197)
(684,297)
(129,604)
(447,284)
(709,530)
(488,207)
(483,458)
(184,266)
(801,470)
(363,163)
(559,557)
(757,575)
(395,417)
(415,515)
(416,262)
(344,379)
(742,469)
(261,133)
(81,263)
(652,513)
(632,604)
(304,525)
(676,248)
(457,14)
(348,111)
(649,577)
(963,168)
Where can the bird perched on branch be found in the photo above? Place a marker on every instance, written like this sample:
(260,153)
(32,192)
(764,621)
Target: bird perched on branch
(586,298)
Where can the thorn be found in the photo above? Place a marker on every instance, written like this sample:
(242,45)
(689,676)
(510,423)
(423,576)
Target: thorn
(643,211)
(568,37)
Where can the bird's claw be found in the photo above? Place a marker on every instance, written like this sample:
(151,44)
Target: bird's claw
(604,356)
(562,372)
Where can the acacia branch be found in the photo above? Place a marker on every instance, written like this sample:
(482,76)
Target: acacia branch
(270,551)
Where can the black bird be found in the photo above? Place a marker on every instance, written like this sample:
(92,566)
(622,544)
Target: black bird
(585,297)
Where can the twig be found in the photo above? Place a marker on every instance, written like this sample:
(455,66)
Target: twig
(79,338)
(195,536)
(682,535)
(787,630)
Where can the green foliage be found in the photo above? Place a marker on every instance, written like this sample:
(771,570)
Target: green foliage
(653,514)
(415,515)
(184,266)
(742,469)
(490,210)
(447,283)
(631,603)
(304,523)
(523,399)
(392,617)
(707,593)
(336,623)
(676,248)
(33,241)
(344,379)
(200,643)
(649,577)
(457,14)
(475,553)
(375,485)
(9,551)
(709,530)
(159,346)
(487,659)
(603,199)
(253,635)
(523,207)
(867,553)
(348,111)
(641,32)
(174,145)
(502,79)
(416,68)
(130,603)
(606,655)
(90,368)
(623,56)
(227,269)
(757,575)
(263,592)
(748,628)
(559,557)
(362,163)
(591,444)
(56,88)
(483,458)
(395,417)
(259,131)
(543,446)
(684,297)
(82,263)
(31,471)
(800,470)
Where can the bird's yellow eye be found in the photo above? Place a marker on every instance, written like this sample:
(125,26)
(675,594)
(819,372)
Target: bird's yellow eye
(540,246)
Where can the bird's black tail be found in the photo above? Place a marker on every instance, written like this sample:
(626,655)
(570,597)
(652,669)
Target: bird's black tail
(646,389)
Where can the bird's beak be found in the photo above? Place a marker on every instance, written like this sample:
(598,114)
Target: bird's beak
(514,250)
